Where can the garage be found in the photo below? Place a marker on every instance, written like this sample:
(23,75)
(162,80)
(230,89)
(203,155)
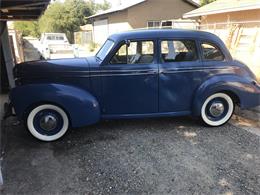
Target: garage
(101,31)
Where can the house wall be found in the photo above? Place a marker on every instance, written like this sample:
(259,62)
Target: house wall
(118,22)
(139,15)
(250,15)
(241,33)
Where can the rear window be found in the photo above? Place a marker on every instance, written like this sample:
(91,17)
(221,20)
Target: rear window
(211,52)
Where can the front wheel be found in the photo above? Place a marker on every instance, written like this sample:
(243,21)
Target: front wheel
(47,122)
(217,109)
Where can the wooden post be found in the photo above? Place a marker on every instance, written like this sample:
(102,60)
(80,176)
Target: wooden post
(7,54)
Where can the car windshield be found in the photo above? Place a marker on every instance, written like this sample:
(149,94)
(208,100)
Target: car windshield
(105,49)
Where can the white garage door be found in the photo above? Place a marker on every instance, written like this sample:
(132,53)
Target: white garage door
(100,31)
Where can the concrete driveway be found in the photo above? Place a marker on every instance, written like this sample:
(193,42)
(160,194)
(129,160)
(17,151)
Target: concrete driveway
(152,156)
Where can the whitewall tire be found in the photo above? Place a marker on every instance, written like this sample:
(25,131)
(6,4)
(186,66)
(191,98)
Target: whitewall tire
(47,122)
(217,109)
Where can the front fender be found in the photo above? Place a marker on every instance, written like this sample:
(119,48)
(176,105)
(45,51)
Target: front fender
(244,89)
(82,108)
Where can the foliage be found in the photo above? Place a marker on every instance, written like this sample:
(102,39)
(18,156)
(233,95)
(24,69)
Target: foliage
(204,2)
(63,17)
(28,28)
(93,46)
(104,6)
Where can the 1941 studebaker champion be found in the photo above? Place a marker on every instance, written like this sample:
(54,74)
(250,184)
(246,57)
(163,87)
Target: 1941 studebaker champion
(146,73)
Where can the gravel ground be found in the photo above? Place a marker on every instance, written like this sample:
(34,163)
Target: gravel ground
(152,156)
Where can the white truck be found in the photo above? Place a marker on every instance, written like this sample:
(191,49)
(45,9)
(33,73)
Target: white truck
(55,45)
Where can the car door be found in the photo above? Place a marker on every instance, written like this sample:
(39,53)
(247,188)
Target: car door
(130,79)
(180,73)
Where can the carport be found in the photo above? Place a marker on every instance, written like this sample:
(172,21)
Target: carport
(12,10)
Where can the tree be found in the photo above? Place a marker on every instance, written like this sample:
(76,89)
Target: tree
(28,28)
(62,17)
(102,6)
(204,2)
(65,17)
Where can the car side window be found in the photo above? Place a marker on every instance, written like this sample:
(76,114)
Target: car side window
(211,52)
(136,52)
(178,51)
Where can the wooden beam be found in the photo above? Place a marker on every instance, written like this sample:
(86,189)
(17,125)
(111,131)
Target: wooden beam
(27,18)
(9,63)
(8,4)
(15,13)
(25,8)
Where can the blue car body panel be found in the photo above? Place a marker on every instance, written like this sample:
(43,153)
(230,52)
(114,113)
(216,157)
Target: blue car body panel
(90,89)
(80,105)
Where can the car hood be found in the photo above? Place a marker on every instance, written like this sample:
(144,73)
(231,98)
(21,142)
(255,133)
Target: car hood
(48,68)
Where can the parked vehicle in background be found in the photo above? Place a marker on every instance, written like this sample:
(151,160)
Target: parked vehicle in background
(55,45)
(149,73)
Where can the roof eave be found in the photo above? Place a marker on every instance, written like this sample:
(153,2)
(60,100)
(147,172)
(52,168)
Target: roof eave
(123,9)
(205,13)
(191,2)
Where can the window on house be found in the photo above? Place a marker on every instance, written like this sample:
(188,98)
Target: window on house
(137,52)
(167,24)
(211,52)
(178,51)
(153,24)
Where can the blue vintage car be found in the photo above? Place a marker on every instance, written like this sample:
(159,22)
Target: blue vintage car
(146,73)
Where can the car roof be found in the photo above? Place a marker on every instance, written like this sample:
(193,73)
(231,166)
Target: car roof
(163,33)
(171,34)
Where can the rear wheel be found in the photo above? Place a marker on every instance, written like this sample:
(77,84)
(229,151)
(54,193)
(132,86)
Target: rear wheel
(47,122)
(217,109)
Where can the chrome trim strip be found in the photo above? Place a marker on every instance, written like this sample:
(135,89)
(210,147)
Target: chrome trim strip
(110,75)
(169,71)
(135,70)
(138,72)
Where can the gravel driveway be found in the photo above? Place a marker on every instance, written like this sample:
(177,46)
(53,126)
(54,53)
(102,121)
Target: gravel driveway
(152,156)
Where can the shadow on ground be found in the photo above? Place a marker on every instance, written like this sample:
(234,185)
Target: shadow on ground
(160,156)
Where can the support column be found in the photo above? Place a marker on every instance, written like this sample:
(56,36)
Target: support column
(7,55)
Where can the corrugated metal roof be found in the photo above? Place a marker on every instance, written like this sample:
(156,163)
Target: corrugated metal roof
(131,4)
(224,6)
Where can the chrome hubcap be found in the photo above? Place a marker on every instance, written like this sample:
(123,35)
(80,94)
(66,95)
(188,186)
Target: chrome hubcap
(216,109)
(48,122)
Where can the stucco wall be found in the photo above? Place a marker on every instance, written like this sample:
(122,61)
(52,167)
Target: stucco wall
(139,15)
(118,22)
(250,15)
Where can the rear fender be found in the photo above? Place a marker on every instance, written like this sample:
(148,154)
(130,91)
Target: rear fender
(83,108)
(242,88)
